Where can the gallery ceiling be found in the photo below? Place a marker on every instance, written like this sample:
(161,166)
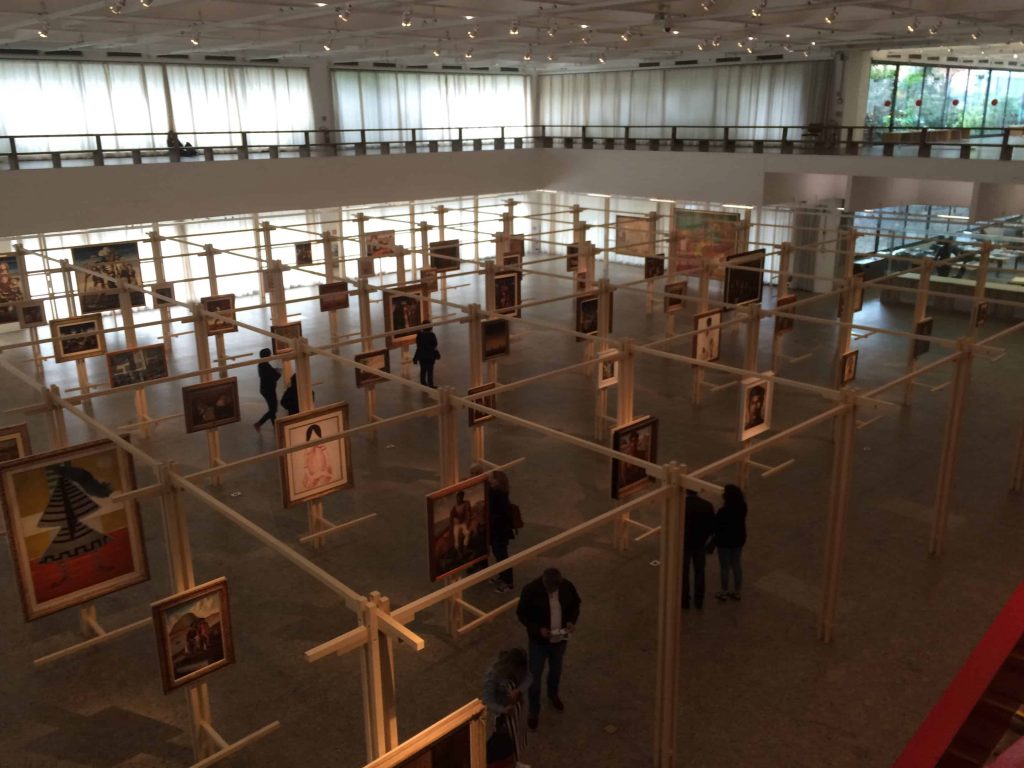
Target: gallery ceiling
(521,33)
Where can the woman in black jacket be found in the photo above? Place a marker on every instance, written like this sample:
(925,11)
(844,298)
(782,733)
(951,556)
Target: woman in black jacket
(730,536)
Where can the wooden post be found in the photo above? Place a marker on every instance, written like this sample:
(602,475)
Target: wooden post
(33,332)
(58,428)
(278,311)
(845,427)
(211,271)
(304,389)
(607,234)
(476,378)
(378,678)
(750,363)
(950,442)
(702,306)
(652,247)
(604,319)
(782,291)
(624,415)
(366,329)
(980,279)
(670,579)
(69,291)
(1017,483)
(268,245)
(156,244)
(920,313)
(131,340)
(199,328)
(442,276)
(448,473)
(330,276)
(413,269)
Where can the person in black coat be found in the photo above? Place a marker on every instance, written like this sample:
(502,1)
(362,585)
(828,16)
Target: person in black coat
(730,536)
(499,525)
(268,389)
(426,355)
(290,398)
(698,528)
(549,608)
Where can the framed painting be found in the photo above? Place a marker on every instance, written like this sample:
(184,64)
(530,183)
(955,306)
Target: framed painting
(632,236)
(654,266)
(428,278)
(381,244)
(444,255)
(14,443)
(137,365)
(494,338)
(456,741)
(31,314)
(163,294)
(12,289)
(708,336)
(506,293)
(640,440)
(674,293)
(572,257)
(291,331)
(404,309)
(366,266)
(744,277)
(981,314)
(755,407)
(71,541)
(587,314)
(484,394)
(321,469)
(582,281)
(784,324)
(222,305)
(76,338)
(608,369)
(848,367)
(705,237)
(111,262)
(515,248)
(333,296)
(211,404)
(457,527)
(379,359)
(304,254)
(922,328)
(193,633)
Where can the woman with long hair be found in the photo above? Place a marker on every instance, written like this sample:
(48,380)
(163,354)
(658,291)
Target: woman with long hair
(505,689)
(730,536)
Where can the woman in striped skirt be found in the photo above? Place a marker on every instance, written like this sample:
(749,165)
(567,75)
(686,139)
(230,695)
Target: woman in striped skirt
(505,689)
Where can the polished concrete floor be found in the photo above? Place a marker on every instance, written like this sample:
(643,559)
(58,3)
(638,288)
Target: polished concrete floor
(757,688)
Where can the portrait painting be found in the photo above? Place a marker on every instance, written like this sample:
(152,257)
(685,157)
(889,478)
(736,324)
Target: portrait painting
(137,365)
(211,404)
(506,293)
(111,262)
(784,324)
(708,336)
(193,633)
(14,443)
(457,527)
(428,278)
(633,236)
(484,394)
(572,257)
(71,540)
(743,277)
(848,367)
(333,296)
(608,369)
(31,314)
(922,328)
(981,314)
(291,331)
(640,440)
(378,359)
(494,338)
(304,254)
(76,338)
(674,293)
(705,237)
(515,248)
(163,294)
(317,470)
(587,314)
(444,255)
(222,305)
(12,289)
(755,407)
(654,266)
(380,244)
(404,310)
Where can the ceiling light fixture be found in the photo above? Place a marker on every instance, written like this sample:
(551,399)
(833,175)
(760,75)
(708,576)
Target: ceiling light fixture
(584,26)
(787,48)
(912,26)
(327,44)
(600,59)
(407,19)
(585,39)
(436,52)
(194,39)
(749,49)
(552,30)
(550,57)
(345,13)
(831,18)
(707,5)
(514,28)
(975,35)
(675,31)
(147,3)
(469,18)
(759,9)
(934,29)
(528,55)
(116,7)
(469,53)
(472,33)
(701,45)
(716,42)
(626,35)
(44,27)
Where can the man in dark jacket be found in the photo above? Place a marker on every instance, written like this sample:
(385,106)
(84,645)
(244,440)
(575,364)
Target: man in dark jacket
(549,608)
(426,355)
(699,525)
(268,389)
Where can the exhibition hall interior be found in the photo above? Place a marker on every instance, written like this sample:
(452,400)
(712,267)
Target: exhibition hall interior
(502,383)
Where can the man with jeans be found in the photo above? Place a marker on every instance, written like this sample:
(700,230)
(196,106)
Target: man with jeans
(549,608)
(699,525)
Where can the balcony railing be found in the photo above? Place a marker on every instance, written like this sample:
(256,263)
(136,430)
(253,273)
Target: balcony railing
(60,150)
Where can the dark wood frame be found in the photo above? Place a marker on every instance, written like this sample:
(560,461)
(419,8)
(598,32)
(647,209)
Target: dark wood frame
(110,367)
(345,447)
(188,393)
(432,499)
(160,610)
(364,379)
(618,434)
(58,346)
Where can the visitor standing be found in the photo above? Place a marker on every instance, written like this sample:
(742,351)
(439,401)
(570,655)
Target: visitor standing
(290,398)
(698,528)
(504,694)
(268,389)
(549,608)
(500,525)
(730,536)
(426,355)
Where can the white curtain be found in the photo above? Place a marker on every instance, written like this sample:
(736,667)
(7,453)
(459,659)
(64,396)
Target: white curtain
(405,100)
(76,97)
(754,95)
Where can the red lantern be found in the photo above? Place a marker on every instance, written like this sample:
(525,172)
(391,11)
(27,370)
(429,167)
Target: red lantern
(994,102)
(917,103)
(888,103)
(955,102)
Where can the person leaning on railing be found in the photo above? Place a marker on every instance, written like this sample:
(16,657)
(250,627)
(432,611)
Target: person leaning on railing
(173,142)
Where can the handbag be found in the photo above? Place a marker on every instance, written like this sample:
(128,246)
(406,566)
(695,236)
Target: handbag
(500,748)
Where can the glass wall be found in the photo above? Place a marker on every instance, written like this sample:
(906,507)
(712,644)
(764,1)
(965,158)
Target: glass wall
(914,96)
(885,229)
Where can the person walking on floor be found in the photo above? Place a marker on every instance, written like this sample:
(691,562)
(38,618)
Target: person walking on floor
(290,398)
(504,694)
(268,389)
(549,608)
(730,536)
(698,527)
(500,526)
(426,355)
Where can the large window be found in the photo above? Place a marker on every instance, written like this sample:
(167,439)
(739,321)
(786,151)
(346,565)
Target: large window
(913,96)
